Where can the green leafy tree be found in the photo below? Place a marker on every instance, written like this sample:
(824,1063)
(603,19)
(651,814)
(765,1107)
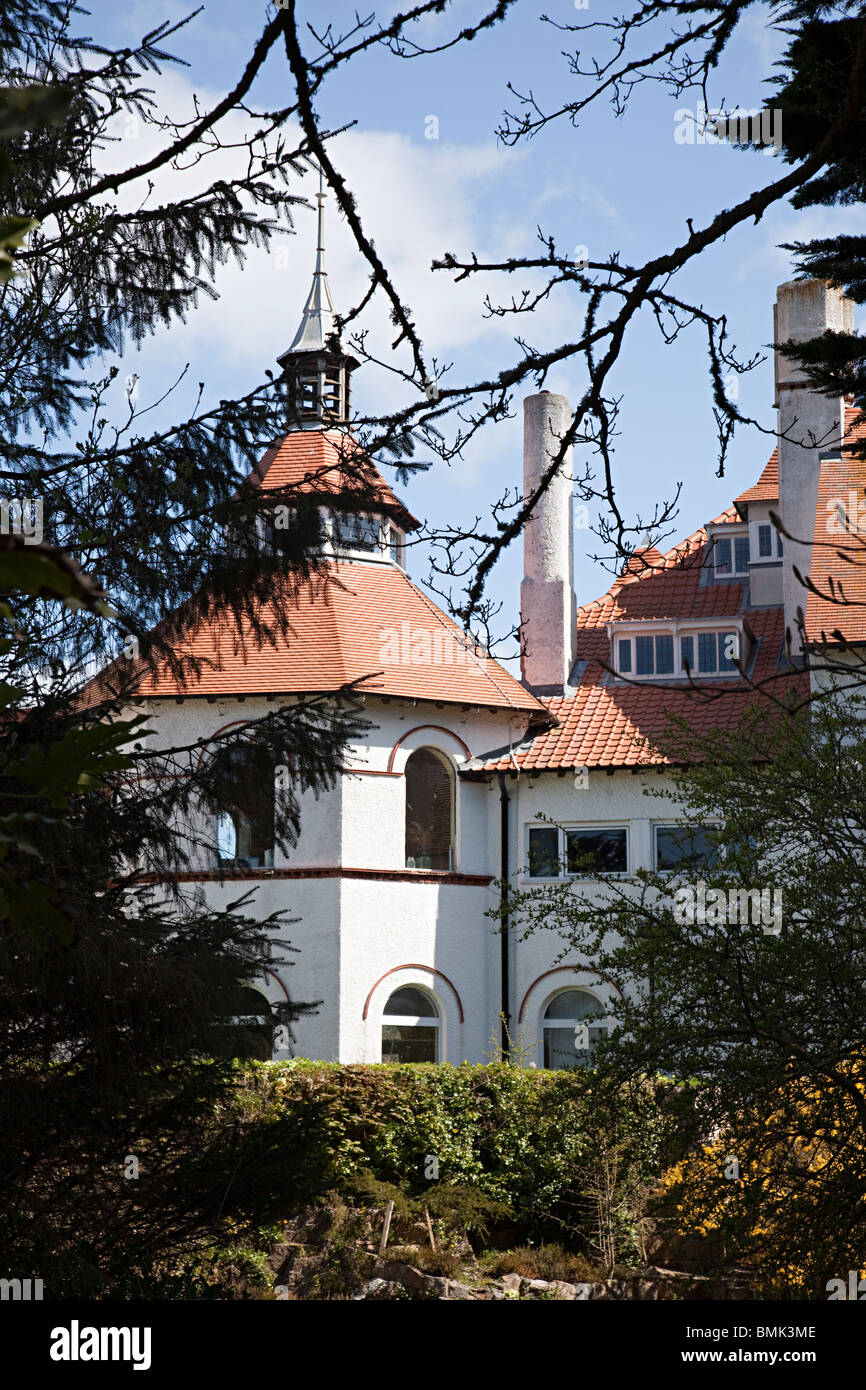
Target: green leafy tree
(742,980)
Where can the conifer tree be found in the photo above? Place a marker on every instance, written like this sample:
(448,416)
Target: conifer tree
(119,1002)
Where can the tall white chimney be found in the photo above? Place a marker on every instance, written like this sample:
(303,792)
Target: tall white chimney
(810,428)
(547,604)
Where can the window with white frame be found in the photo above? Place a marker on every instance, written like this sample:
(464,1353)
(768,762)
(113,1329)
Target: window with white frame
(654,654)
(556,851)
(352,531)
(429,810)
(397,545)
(410,1027)
(709,653)
(682,847)
(730,554)
(245,793)
(765,542)
(572,1025)
(677,650)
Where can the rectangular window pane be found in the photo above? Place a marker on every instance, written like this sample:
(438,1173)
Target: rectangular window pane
(561,1050)
(664,654)
(682,846)
(778,544)
(625,655)
(600,851)
(765,542)
(687,652)
(728,642)
(356,532)
(402,1044)
(723,555)
(706,651)
(544,852)
(741,554)
(644,656)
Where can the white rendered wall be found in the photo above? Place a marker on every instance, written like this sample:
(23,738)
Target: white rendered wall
(428,932)
(353,930)
(360,938)
(311,971)
(614,800)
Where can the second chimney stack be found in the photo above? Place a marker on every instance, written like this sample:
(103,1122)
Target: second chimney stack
(811,426)
(547,604)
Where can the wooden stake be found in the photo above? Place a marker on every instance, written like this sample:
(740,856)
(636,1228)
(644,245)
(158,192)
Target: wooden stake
(389,1212)
(430,1229)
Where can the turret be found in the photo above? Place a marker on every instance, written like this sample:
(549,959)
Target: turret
(315,368)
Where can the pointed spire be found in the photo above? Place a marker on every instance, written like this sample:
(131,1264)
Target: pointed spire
(315,368)
(317,323)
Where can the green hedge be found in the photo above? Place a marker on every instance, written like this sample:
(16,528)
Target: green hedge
(540,1141)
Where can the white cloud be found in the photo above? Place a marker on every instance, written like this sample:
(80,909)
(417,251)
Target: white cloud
(416,198)
(583,196)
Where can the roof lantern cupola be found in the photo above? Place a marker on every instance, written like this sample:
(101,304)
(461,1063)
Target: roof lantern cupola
(315,367)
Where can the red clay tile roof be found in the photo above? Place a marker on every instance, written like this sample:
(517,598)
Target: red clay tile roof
(766,489)
(358,619)
(329,462)
(605,721)
(837,613)
(644,558)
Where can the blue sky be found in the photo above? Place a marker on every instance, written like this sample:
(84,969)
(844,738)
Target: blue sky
(621,185)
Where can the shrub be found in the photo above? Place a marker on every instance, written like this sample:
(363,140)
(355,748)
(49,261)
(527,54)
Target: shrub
(499,1139)
(445,1262)
(545,1262)
(461,1207)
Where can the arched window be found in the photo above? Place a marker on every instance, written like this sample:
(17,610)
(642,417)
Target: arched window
(244,783)
(410,1027)
(429,811)
(249,1031)
(573,1022)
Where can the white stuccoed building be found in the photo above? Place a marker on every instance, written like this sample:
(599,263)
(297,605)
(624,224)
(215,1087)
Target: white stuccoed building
(395,870)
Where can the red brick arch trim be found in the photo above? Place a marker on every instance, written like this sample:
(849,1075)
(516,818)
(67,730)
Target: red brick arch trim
(440,728)
(574,970)
(274,976)
(413,965)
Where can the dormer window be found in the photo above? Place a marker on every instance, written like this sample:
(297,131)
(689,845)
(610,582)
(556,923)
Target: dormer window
(375,537)
(397,545)
(677,650)
(355,532)
(765,542)
(731,555)
(716,653)
(654,656)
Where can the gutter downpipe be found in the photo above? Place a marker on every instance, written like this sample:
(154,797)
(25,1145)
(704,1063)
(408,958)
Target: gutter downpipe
(505,991)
